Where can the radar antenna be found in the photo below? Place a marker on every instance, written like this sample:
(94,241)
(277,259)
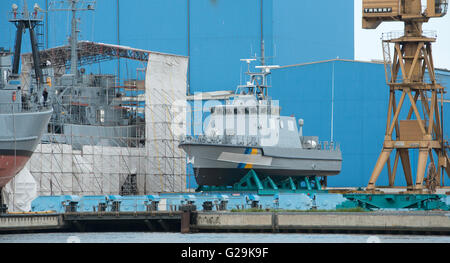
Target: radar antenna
(257,84)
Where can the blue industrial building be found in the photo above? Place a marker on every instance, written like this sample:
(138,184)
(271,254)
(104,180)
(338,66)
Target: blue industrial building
(345,101)
(339,99)
(215,34)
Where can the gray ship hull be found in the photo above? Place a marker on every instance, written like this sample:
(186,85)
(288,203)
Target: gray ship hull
(20,133)
(226,165)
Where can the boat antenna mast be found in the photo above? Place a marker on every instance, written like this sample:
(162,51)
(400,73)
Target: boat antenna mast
(74,6)
(257,84)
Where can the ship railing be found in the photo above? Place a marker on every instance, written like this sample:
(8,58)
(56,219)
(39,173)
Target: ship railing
(8,108)
(248,141)
(222,139)
(328,146)
(20,15)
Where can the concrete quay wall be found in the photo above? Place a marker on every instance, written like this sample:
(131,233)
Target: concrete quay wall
(12,222)
(435,222)
(361,221)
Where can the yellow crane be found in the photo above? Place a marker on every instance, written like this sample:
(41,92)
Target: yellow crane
(412,74)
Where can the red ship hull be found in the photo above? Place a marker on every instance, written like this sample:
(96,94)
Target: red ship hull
(10,165)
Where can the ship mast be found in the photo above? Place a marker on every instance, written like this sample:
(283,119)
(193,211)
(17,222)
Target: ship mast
(73,40)
(257,85)
(22,22)
(73,6)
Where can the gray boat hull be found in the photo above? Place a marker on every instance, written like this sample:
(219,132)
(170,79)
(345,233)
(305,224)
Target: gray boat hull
(227,164)
(20,133)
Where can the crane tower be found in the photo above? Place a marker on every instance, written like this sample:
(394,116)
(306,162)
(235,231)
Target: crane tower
(412,74)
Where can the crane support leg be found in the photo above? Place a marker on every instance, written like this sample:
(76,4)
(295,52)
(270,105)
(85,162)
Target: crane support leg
(421,165)
(382,159)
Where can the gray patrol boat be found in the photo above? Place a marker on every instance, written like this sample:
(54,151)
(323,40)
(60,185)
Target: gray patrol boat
(24,114)
(248,133)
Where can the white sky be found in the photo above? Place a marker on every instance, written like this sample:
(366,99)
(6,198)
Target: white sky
(368,41)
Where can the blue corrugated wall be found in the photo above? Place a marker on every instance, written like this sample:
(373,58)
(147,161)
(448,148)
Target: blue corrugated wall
(359,109)
(214,33)
(305,31)
(359,113)
(217,33)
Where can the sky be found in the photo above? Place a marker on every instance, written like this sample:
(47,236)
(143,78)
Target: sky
(368,41)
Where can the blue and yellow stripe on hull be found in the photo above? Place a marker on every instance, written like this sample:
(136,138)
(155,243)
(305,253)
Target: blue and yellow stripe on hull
(252,151)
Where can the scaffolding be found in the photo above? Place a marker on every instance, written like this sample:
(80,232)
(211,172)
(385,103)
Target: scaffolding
(144,159)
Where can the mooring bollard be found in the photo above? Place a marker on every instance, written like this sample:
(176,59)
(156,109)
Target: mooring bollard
(102,207)
(207,206)
(152,206)
(115,206)
(71,207)
(255,204)
(223,205)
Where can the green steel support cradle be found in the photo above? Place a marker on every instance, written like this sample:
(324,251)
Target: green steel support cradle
(395,201)
(268,183)
(268,186)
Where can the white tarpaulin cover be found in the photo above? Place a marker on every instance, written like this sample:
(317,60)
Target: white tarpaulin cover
(20,192)
(160,166)
(165,87)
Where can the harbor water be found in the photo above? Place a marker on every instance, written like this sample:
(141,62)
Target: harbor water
(149,237)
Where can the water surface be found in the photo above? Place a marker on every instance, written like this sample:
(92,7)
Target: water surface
(149,237)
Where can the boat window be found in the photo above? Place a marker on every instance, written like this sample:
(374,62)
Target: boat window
(235,110)
(212,110)
(100,116)
(291,125)
(272,123)
(275,110)
(281,124)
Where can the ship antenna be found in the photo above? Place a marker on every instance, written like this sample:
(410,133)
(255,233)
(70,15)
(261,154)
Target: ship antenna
(265,70)
(23,22)
(73,6)
(250,85)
